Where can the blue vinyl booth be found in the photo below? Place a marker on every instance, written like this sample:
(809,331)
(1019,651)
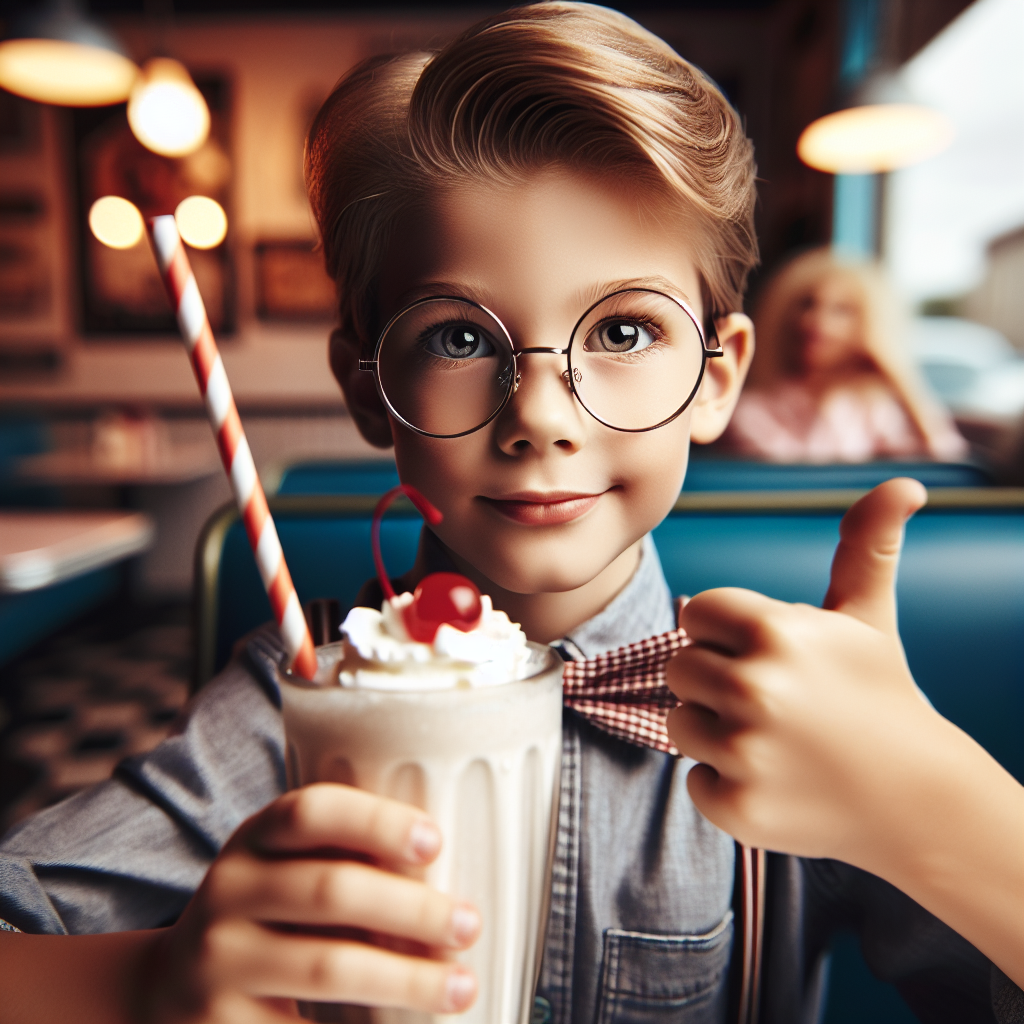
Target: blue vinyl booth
(22,435)
(960,590)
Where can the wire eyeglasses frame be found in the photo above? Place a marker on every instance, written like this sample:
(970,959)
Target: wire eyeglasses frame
(711,348)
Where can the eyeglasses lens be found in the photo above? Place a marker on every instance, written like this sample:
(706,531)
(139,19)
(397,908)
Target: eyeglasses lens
(445,366)
(636,359)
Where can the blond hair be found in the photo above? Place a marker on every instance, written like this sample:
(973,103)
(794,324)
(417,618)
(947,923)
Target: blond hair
(885,330)
(557,82)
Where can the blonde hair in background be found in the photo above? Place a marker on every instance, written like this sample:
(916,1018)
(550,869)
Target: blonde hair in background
(885,327)
(550,83)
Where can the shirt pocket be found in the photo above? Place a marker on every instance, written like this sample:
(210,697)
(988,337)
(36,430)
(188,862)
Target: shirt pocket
(665,979)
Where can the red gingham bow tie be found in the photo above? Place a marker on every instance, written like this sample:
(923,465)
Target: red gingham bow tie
(623,691)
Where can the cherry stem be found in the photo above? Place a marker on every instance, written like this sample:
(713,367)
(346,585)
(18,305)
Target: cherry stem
(425,509)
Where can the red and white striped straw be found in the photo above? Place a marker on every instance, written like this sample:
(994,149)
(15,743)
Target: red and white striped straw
(234,449)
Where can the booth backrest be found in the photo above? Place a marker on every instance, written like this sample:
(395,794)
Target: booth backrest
(343,476)
(961,583)
(373,477)
(704,474)
(21,435)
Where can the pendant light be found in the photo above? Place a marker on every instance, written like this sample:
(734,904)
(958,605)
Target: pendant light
(57,55)
(882,129)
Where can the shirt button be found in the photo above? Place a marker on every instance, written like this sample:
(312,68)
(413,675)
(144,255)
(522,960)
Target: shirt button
(541,1011)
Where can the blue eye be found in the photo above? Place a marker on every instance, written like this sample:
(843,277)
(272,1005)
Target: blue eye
(619,336)
(458,341)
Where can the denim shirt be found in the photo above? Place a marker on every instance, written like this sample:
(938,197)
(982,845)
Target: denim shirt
(640,926)
(641,921)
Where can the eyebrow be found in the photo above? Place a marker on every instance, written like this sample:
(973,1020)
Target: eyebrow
(586,297)
(446,289)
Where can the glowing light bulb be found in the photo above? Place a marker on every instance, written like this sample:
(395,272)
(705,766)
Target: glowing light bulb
(202,222)
(67,73)
(116,222)
(166,111)
(874,138)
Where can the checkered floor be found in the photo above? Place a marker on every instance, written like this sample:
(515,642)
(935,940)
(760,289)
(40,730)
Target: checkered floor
(97,692)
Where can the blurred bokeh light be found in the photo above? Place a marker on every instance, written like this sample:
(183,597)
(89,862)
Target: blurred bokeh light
(166,111)
(202,222)
(116,222)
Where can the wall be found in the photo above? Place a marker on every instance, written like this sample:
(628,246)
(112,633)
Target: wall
(280,69)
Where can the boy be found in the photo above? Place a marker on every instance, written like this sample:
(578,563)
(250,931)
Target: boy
(566,195)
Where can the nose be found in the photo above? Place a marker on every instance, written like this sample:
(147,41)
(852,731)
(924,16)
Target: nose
(542,413)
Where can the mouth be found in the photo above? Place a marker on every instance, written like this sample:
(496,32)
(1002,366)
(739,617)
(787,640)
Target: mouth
(551,509)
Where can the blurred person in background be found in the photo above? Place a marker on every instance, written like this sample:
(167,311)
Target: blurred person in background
(833,379)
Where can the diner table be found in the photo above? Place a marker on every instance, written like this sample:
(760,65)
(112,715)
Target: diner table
(41,548)
(56,565)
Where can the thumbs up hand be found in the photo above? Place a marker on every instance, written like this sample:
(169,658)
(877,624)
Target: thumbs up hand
(813,739)
(801,716)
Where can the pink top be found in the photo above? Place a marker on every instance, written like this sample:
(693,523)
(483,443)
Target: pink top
(844,424)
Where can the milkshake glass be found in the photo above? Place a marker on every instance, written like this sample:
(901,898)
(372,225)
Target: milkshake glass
(483,761)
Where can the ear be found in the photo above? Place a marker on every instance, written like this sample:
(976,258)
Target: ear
(723,379)
(360,390)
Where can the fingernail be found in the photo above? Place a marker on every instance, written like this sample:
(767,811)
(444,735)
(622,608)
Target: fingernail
(459,991)
(465,924)
(425,841)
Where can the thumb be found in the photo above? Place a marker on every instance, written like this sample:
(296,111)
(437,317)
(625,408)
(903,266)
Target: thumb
(870,537)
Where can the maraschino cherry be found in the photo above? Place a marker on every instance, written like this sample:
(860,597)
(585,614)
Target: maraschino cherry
(441,597)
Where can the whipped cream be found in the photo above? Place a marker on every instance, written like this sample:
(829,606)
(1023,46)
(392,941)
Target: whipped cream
(380,655)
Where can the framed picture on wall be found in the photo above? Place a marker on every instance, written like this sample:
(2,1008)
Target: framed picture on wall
(25,271)
(121,290)
(28,239)
(291,283)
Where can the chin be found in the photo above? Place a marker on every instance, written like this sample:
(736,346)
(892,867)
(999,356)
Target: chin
(543,577)
(552,565)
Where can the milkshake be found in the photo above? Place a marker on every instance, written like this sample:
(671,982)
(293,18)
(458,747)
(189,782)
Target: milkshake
(468,728)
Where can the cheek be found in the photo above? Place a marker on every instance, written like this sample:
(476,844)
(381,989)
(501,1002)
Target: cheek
(643,474)
(650,468)
(848,327)
(448,471)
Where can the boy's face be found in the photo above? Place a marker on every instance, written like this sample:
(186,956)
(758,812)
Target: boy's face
(545,498)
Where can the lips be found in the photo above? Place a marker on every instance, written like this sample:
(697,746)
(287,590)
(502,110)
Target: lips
(551,509)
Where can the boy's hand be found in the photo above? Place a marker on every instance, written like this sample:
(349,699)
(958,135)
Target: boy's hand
(805,718)
(301,903)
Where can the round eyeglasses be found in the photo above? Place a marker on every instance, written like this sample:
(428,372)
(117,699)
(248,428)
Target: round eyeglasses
(446,366)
